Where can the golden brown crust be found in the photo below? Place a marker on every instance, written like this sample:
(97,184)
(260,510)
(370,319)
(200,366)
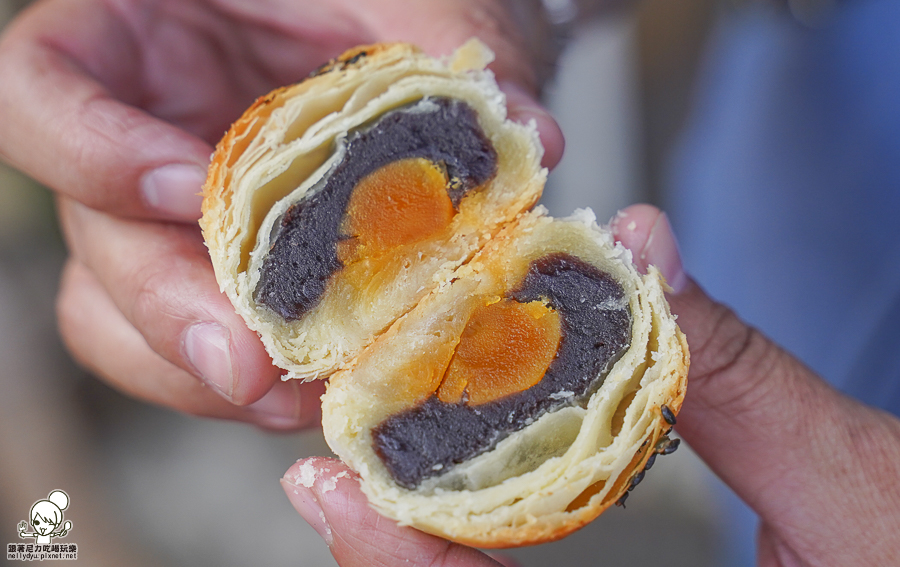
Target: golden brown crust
(356,55)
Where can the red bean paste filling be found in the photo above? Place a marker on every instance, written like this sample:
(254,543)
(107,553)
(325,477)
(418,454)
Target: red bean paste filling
(303,255)
(427,440)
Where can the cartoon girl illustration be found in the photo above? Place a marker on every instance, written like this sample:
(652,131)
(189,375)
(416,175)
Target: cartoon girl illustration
(46,516)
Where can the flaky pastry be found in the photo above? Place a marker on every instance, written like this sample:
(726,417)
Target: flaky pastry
(496,376)
(270,176)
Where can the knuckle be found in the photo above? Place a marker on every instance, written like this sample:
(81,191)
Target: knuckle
(148,306)
(733,363)
(725,342)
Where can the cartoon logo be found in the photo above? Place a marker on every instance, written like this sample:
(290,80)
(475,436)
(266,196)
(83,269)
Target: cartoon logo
(45,522)
(46,517)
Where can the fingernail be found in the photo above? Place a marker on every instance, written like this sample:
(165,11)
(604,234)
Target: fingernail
(207,347)
(174,190)
(661,250)
(304,501)
(281,407)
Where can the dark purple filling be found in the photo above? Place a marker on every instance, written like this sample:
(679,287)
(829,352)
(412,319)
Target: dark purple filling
(303,255)
(427,440)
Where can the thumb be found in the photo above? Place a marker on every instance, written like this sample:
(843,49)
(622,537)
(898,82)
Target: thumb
(808,459)
(751,409)
(519,63)
(327,494)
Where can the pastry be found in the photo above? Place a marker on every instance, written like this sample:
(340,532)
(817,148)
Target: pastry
(497,377)
(334,205)
(516,403)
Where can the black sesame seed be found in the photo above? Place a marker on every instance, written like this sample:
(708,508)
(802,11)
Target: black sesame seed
(669,447)
(650,462)
(661,444)
(356,58)
(621,500)
(667,414)
(636,480)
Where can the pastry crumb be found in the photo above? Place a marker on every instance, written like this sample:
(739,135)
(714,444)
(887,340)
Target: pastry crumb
(306,475)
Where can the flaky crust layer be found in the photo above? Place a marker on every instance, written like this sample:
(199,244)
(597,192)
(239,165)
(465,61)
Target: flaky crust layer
(598,449)
(376,339)
(274,154)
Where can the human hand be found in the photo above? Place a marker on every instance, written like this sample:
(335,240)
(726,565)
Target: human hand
(117,105)
(819,468)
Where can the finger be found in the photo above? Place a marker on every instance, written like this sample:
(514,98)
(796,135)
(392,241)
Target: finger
(794,449)
(491,21)
(159,276)
(772,552)
(327,494)
(102,340)
(645,230)
(523,108)
(72,134)
(734,369)
(503,559)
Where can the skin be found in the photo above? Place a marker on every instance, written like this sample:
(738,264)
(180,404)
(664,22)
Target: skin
(117,105)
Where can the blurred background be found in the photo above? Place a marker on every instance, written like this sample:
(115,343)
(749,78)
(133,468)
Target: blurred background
(151,487)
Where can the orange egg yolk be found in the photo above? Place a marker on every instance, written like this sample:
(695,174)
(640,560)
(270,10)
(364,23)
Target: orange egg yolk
(505,348)
(403,202)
